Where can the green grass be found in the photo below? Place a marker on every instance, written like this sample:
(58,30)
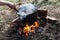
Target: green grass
(14,1)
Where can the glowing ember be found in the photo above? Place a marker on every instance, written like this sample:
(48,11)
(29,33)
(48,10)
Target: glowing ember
(36,24)
(30,28)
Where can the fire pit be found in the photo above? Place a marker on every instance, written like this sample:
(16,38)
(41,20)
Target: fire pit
(29,23)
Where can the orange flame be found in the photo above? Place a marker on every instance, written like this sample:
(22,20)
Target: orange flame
(30,28)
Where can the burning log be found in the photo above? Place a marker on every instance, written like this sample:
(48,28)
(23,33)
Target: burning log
(30,28)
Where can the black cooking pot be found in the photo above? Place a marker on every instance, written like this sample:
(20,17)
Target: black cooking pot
(30,19)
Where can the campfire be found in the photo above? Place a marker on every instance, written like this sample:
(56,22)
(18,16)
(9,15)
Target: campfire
(29,23)
(30,28)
